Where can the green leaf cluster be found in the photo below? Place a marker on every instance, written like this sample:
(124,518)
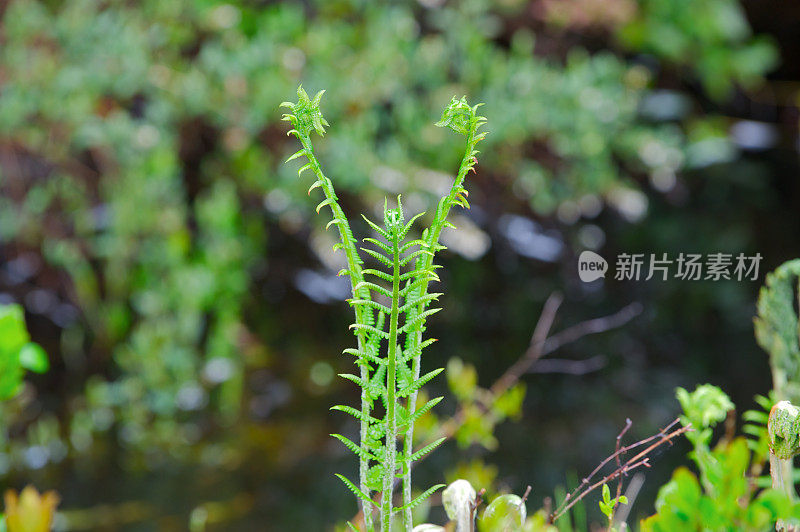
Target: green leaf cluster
(730,502)
(727,494)
(17,352)
(482,410)
(607,504)
(711,35)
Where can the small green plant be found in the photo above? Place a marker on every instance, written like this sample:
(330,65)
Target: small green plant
(17,352)
(391,303)
(726,495)
(607,505)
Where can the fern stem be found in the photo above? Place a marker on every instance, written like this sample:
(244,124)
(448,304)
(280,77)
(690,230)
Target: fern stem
(390,461)
(431,243)
(362,313)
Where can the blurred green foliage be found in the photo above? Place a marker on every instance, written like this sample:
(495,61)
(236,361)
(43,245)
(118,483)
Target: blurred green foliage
(777,328)
(711,36)
(151,131)
(139,158)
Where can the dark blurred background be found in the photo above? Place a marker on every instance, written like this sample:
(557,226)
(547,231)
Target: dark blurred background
(185,292)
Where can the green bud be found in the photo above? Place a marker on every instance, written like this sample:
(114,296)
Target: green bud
(507,513)
(457,499)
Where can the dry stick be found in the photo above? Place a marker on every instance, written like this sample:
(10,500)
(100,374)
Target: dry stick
(628,424)
(597,325)
(541,346)
(534,351)
(473,508)
(637,461)
(622,450)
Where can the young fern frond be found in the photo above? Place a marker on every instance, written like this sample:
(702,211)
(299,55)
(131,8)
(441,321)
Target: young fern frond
(305,117)
(390,374)
(463,119)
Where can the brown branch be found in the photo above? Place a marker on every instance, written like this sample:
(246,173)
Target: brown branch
(535,348)
(625,429)
(569,367)
(594,326)
(541,345)
(639,460)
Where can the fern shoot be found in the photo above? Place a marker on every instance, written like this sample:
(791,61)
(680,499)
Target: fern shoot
(391,303)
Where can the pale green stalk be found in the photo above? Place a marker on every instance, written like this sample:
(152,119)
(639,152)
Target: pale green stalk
(390,464)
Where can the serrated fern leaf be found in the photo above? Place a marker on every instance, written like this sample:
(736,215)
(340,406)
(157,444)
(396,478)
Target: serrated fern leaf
(357,380)
(379,274)
(420,498)
(369,328)
(419,318)
(369,303)
(425,409)
(419,383)
(375,227)
(353,447)
(378,256)
(365,354)
(352,487)
(411,256)
(358,414)
(414,350)
(373,287)
(382,246)
(419,300)
(410,244)
(425,450)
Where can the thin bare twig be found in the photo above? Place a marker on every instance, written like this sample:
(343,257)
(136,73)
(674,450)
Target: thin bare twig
(639,460)
(593,326)
(625,429)
(541,345)
(473,508)
(535,349)
(569,367)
